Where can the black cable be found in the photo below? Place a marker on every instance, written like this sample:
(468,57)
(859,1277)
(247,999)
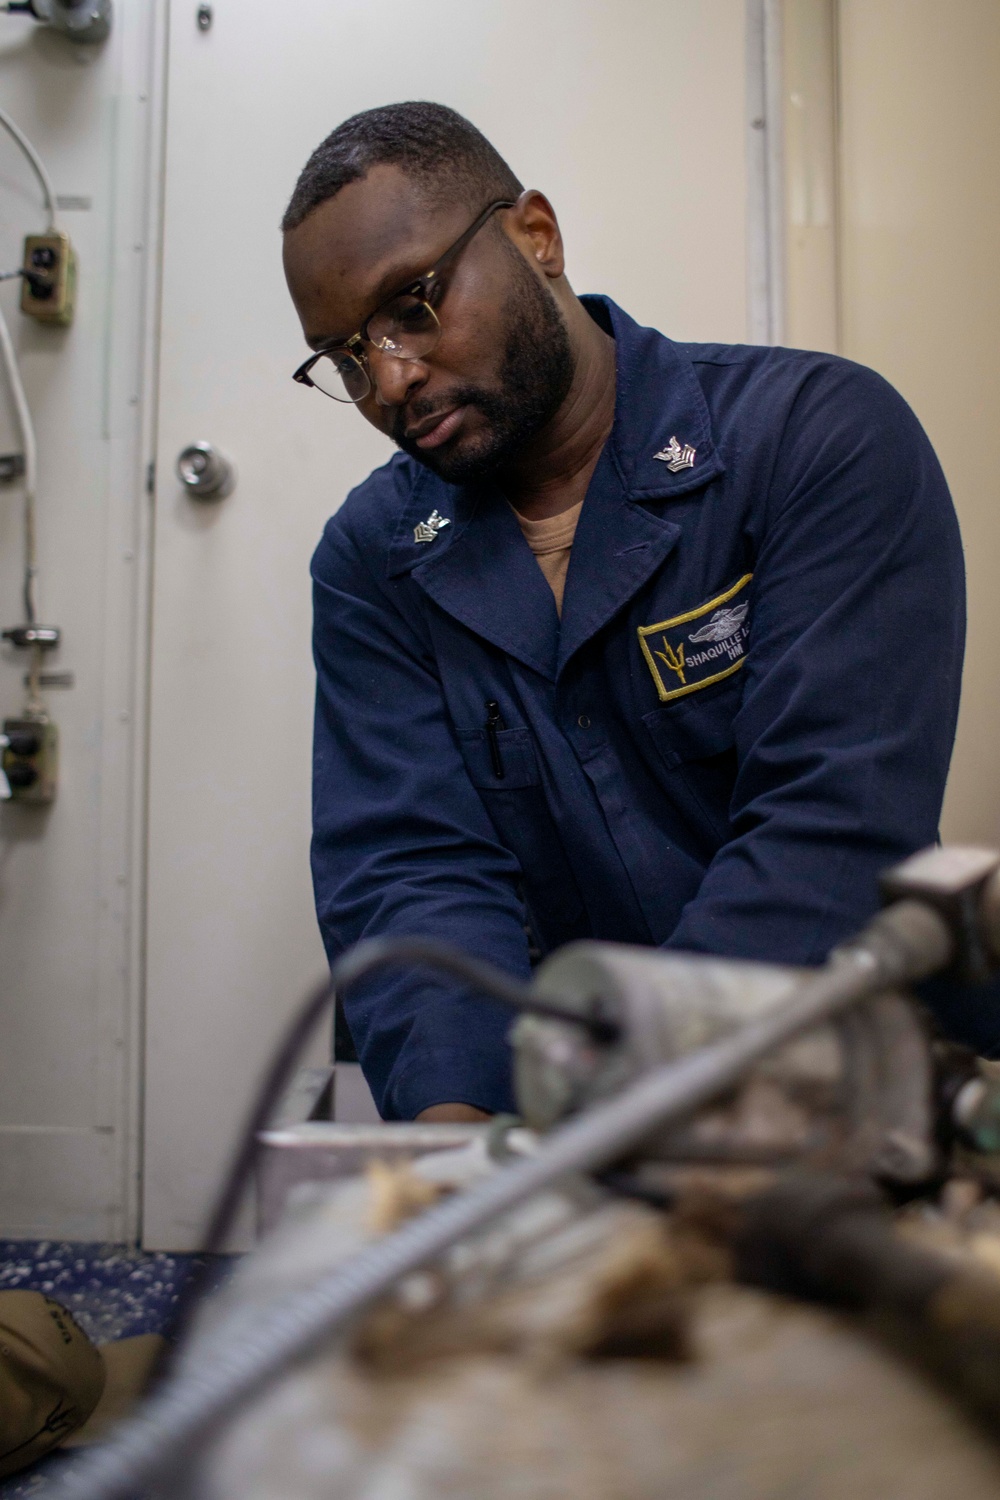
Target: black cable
(628,1185)
(360,961)
(379,953)
(40,285)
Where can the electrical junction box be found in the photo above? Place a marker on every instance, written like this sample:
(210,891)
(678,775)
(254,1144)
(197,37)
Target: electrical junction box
(48,288)
(31,759)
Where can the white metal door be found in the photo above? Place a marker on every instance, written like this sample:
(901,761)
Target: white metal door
(631,117)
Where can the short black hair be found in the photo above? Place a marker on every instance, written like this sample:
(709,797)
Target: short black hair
(428,141)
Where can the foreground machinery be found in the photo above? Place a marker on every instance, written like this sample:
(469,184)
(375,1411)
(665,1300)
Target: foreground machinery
(608,1296)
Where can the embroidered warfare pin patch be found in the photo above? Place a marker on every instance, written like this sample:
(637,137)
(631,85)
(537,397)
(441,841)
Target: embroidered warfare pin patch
(702,646)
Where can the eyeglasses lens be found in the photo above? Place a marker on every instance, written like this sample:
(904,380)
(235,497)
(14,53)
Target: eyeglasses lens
(407,328)
(341,376)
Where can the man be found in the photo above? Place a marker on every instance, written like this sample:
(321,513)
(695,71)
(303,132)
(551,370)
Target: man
(639,641)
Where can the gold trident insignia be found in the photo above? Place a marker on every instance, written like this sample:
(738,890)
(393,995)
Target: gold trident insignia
(674,659)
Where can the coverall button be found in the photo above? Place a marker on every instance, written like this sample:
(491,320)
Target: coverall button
(583,721)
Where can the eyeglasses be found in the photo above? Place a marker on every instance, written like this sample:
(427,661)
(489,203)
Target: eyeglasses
(405,326)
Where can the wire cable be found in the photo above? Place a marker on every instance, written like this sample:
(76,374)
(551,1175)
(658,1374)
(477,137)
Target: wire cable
(359,962)
(242,1354)
(34,706)
(28,444)
(364,959)
(36,163)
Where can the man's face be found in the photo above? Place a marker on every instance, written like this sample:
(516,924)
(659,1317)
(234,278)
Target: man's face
(503,364)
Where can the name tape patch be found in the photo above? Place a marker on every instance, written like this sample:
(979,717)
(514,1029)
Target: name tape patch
(699,647)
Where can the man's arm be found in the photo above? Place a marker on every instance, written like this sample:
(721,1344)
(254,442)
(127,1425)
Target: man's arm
(851,685)
(453,1114)
(403,845)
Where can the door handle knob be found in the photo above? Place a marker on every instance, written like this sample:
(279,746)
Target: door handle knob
(205,472)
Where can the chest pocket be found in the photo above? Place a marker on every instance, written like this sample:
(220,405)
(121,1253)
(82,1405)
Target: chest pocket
(516,757)
(697,748)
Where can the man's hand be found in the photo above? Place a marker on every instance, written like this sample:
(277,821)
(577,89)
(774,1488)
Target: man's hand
(452,1114)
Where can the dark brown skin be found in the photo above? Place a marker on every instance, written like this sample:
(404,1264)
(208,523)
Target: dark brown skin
(453,1114)
(381,232)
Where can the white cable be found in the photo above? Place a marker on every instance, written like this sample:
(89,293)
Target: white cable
(24,418)
(29,447)
(37,164)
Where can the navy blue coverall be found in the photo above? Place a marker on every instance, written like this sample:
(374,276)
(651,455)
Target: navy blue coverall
(745,713)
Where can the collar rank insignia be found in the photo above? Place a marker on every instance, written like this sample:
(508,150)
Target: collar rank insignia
(427,530)
(676,457)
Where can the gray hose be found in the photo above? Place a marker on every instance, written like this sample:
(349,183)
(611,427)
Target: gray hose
(906,942)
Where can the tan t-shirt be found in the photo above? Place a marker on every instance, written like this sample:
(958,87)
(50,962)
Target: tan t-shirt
(551,541)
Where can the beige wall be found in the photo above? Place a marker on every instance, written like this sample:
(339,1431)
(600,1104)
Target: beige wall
(811,312)
(920,296)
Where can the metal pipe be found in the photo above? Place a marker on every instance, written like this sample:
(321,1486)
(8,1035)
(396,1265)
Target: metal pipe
(833,1240)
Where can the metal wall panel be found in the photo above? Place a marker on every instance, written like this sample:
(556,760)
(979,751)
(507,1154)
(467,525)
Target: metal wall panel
(70,876)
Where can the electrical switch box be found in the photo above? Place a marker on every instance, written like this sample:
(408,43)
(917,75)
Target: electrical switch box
(48,286)
(31,759)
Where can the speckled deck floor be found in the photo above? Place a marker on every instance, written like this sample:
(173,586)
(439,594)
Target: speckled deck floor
(112,1291)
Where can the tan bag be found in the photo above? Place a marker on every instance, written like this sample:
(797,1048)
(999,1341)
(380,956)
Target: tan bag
(55,1384)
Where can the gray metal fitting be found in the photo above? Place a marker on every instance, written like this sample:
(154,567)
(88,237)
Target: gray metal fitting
(962,884)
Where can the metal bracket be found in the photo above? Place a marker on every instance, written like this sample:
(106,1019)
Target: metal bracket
(952,879)
(24,637)
(11,467)
(87,21)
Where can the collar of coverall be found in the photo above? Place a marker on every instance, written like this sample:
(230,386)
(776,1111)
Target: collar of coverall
(619,543)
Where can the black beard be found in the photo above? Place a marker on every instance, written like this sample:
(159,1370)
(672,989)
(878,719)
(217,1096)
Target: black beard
(534,379)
